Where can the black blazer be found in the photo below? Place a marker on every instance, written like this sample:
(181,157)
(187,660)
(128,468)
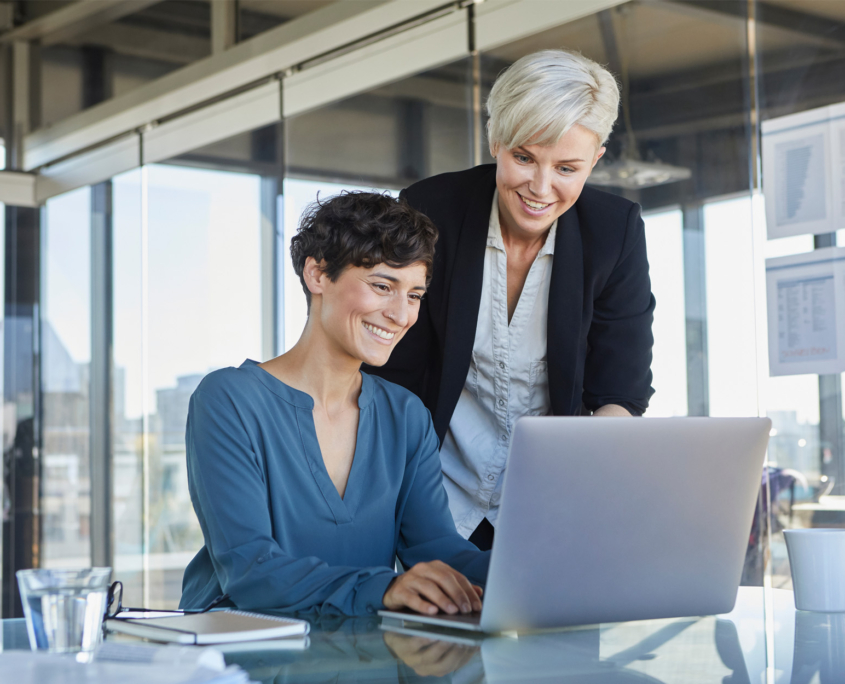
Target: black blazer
(600,306)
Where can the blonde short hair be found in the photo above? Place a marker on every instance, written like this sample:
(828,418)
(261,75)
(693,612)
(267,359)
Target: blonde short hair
(541,96)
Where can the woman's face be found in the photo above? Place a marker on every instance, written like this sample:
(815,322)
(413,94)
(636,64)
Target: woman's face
(538,183)
(366,311)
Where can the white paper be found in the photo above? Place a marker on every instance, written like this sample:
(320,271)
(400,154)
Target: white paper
(806,312)
(837,137)
(27,667)
(800,181)
(798,184)
(806,319)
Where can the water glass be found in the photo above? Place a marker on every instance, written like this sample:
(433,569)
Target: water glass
(64,608)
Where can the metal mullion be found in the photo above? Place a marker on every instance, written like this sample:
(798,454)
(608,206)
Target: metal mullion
(100,407)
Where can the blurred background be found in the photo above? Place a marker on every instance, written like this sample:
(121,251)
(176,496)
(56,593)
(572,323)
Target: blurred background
(159,155)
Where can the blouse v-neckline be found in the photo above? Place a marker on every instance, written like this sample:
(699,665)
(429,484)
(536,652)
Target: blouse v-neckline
(343,508)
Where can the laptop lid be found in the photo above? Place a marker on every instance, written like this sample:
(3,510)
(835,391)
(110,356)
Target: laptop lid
(614,519)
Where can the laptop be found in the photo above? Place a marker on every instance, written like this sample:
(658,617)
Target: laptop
(614,519)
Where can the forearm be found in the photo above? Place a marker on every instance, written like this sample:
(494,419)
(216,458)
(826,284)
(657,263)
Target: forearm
(276,580)
(613,410)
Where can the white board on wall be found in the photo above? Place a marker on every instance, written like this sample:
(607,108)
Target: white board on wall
(806,312)
(803,175)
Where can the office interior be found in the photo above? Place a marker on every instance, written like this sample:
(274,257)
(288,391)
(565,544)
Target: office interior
(158,156)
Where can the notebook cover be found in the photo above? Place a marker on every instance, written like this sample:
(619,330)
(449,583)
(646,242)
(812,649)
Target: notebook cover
(214,627)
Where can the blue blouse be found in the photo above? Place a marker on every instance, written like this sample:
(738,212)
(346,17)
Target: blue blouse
(277,533)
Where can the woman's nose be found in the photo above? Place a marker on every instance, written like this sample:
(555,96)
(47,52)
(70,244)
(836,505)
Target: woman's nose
(398,313)
(540,184)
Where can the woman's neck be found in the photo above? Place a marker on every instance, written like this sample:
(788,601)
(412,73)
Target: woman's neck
(317,367)
(517,240)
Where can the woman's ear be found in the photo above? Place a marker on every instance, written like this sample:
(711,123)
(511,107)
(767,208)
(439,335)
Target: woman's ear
(314,275)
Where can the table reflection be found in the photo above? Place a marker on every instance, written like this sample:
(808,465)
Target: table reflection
(698,650)
(808,648)
(819,653)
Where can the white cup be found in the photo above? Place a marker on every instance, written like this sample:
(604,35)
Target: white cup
(817,559)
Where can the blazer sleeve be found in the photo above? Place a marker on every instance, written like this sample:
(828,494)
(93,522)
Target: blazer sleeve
(618,364)
(228,490)
(427,531)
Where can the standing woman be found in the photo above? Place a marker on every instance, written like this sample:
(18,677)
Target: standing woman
(540,302)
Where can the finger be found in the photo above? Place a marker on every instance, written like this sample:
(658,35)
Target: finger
(462,591)
(472,598)
(449,582)
(405,594)
(412,599)
(433,591)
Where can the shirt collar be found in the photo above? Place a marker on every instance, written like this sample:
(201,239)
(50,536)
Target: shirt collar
(494,232)
(297,397)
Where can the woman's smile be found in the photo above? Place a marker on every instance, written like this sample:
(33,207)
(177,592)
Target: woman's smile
(534,208)
(380,334)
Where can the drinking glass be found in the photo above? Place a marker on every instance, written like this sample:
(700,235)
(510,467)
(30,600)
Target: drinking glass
(64,608)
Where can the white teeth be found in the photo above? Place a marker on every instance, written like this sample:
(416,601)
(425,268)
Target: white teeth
(534,205)
(383,334)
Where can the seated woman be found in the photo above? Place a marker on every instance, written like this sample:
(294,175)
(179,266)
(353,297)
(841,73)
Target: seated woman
(310,477)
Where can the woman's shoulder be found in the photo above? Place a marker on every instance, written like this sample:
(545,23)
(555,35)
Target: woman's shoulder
(227,385)
(448,189)
(603,208)
(386,394)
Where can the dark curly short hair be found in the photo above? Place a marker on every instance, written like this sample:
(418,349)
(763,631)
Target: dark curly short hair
(362,229)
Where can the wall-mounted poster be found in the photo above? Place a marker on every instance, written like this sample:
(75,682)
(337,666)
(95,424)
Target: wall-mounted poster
(803,174)
(806,312)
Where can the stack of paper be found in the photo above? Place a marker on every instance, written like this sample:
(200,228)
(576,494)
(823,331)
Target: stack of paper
(27,667)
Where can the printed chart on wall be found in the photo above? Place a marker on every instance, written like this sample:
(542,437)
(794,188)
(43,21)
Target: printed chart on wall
(804,172)
(806,312)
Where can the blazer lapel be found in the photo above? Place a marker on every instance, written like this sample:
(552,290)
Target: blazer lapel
(464,300)
(565,310)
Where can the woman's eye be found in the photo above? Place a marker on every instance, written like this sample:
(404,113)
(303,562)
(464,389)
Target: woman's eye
(566,169)
(415,297)
(381,287)
(522,158)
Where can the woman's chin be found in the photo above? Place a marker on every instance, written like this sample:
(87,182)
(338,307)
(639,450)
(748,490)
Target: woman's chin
(375,357)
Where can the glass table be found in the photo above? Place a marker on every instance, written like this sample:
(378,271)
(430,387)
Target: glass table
(763,640)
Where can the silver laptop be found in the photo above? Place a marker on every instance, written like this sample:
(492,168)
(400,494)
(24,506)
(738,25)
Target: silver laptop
(614,519)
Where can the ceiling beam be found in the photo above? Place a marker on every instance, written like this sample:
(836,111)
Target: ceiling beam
(777,16)
(78,17)
(305,38)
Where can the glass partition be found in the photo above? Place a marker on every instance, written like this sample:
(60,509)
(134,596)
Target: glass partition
(187,300)
(381,140)
(130,487)
(65,380)
(801,57)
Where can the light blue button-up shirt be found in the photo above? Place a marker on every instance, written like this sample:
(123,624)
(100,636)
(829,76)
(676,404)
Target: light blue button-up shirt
(507,379)
(277,533)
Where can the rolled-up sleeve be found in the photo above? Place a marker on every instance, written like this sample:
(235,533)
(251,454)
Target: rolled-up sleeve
(618,365)
(230,496)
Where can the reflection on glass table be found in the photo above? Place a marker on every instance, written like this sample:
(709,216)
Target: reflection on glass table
(731,648)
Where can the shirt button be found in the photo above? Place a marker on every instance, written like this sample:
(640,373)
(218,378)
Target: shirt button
(491,477)
(504,438)
(501,402)
(501,364)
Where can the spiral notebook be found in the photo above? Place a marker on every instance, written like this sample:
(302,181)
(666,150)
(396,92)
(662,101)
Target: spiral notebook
(214,627)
